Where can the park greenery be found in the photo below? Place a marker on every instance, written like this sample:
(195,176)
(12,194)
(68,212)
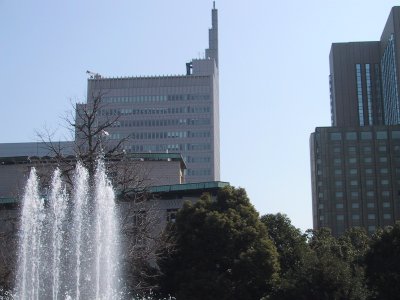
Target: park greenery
(221,248)
(225,250)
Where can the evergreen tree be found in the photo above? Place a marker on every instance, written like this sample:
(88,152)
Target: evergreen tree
(223,251)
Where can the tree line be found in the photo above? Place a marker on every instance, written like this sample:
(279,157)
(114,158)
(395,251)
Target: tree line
(225,250)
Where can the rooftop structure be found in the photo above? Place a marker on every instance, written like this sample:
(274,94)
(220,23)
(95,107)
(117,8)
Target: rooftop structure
(178,114)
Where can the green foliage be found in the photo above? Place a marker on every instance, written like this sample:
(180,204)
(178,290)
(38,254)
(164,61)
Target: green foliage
(288,240)
(295,256)
(223,251)
(317,265)
(383,264)
(337,273)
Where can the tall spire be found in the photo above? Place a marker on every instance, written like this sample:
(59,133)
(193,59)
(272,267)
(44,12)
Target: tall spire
(212,51)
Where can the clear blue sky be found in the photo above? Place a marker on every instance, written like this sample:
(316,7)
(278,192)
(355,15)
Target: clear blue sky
(273,73)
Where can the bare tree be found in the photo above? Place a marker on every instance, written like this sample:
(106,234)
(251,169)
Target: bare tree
(142,236)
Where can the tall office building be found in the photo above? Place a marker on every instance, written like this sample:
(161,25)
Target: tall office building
(168,113)
(355,164)
(364,81)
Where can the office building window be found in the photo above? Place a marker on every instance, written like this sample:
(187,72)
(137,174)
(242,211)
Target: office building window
(338,172)
(371,216)
(385,181)
(382,159)
(355,217)
(352,160)
(367,159)
(359,95)
(387,216)
(351,149)
(370,205)
(339,194)
(353,171)
(381,135)
(384,171)
(395,134)
(367,149)
(389,83)
(336,150)
(369,92)
(353,183)
(386,204)
(355,205)
(382,148)
(371,228)
(368,171)
(338,183)
(351,136)
(370,194)
(339,217)
(335,136)
(354,194)
(366,135)
(369,182)
(385,193)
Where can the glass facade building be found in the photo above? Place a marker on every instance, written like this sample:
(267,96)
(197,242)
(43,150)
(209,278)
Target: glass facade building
(355,164)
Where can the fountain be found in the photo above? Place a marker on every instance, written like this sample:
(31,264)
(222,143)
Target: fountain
(68,244)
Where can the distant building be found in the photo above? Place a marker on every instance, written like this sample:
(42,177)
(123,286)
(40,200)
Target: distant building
(363,79)
(355,164)
(34,149)
(355,177)
(152,169)
(177,114)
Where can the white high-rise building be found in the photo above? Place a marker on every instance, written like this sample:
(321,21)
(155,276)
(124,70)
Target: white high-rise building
(168,113)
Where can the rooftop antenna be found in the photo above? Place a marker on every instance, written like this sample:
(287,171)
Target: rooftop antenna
(93,75)
(213,4)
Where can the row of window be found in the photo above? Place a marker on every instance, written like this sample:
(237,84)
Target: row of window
(355,194)
(161,123)
(200,172)
(353,160)
(354,217)
(198,159)
(365,149)
(369,194)
(369,216)
(170,134)
(156,98)
(155,111)
(356,205)
(368,182)
(368,171)
(168,147)
(364,135)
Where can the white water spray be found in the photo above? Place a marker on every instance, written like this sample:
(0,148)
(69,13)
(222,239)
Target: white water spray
(68,246)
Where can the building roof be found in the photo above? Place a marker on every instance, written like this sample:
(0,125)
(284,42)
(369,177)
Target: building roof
(134,156)
(185,187)
(163,189)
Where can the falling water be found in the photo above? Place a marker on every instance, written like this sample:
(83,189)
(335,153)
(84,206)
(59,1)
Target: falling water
(68,246)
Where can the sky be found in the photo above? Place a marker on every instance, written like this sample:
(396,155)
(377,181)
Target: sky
(274,68)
